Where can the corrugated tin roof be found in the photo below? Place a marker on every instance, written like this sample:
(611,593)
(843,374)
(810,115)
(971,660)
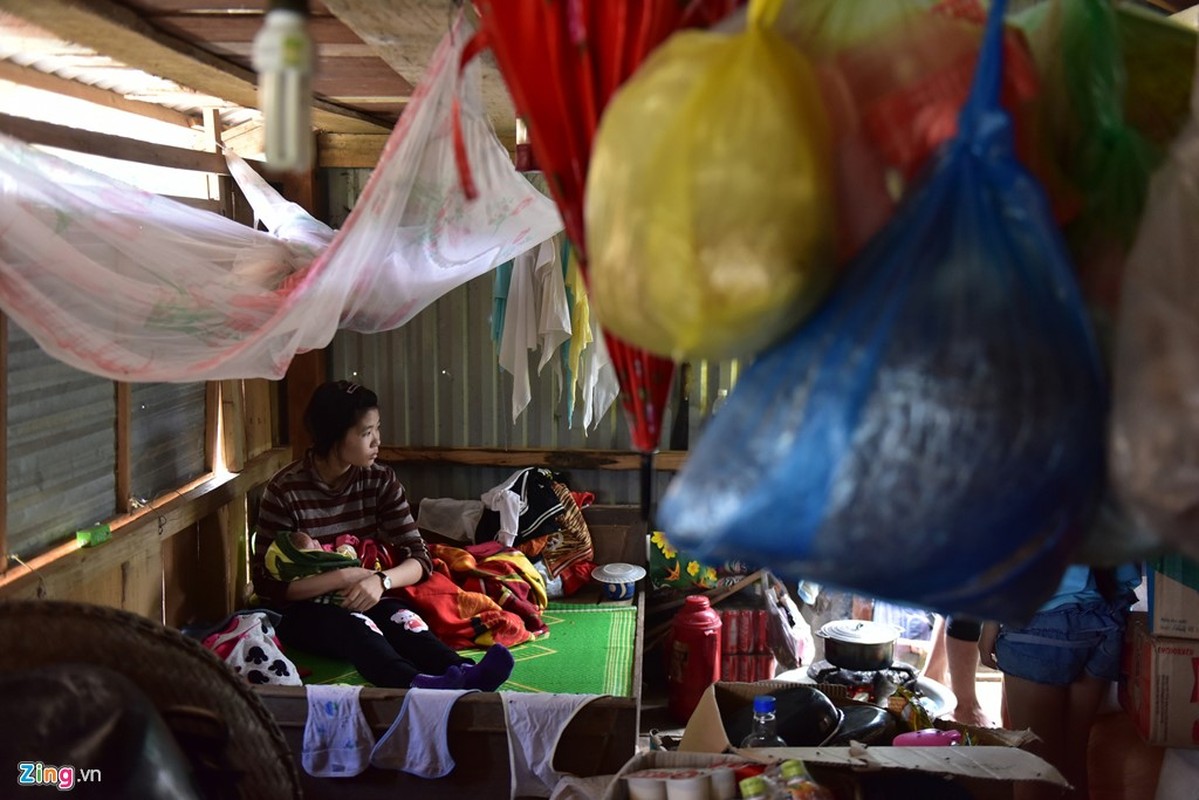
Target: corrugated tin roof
(29,46)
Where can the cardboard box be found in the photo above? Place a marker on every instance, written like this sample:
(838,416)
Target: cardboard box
(705,730)
(1160,685)
(1172,589)
(987,773)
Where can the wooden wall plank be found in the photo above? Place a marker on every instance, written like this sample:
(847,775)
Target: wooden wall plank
(142,584)
(211,582)
(102,144)
(53,574)
(179,559)
(668,461)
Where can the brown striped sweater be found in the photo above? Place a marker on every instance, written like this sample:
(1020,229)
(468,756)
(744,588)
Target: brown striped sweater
(371,504)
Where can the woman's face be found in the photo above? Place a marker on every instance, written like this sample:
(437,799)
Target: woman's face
(360,446)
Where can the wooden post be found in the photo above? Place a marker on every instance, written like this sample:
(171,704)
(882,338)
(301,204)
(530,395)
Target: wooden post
(124,446)
(4,442)
(212,423)
(307,370)
(219,185)
(259,416)
(233,425)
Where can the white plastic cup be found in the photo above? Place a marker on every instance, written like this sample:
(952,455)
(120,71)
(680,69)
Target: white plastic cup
(646,788)
(724,783)
(692,787)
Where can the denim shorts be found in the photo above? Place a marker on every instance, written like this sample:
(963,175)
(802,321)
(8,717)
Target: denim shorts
(1057,646)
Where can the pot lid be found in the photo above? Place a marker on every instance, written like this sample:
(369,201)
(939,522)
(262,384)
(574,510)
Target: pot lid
(618,573)
(860,631)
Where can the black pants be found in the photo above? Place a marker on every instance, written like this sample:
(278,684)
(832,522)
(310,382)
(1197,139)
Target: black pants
(390,660)
(966,629)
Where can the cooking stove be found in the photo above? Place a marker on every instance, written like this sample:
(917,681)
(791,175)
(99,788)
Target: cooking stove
(936,698)
(870,686)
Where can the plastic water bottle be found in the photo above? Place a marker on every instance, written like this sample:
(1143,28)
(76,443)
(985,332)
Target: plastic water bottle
(762,734)
(800,784)
(754,788)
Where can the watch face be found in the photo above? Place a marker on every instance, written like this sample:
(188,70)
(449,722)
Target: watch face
(386,580)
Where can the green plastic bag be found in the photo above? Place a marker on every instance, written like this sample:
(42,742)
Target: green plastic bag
(1079,50)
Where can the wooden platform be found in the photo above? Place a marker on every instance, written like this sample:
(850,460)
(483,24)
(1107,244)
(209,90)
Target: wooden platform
(598,741)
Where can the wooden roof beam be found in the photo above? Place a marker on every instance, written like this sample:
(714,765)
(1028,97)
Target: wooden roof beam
(117,31)
(35,79)
(345,150)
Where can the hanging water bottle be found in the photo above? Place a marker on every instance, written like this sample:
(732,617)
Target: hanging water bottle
(762,734)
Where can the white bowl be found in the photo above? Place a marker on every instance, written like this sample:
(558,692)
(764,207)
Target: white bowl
(618,579)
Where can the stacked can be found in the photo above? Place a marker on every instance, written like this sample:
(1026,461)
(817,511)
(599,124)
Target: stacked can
(745,651)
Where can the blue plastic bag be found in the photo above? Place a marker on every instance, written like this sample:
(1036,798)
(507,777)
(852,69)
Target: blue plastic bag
(934,434)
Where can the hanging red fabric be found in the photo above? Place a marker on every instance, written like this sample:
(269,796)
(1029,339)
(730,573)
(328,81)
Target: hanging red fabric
(562,61)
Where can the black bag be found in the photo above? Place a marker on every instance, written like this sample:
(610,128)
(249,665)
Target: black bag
(539,508)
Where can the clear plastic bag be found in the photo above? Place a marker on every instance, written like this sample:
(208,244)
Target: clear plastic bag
(709,229)
(1155,424)
(934,434)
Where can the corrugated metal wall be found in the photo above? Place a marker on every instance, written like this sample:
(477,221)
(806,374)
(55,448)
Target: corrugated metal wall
(61,447)
(440,385)
(167,436)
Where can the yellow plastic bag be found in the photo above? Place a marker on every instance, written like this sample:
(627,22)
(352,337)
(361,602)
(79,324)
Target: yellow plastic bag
(709,204)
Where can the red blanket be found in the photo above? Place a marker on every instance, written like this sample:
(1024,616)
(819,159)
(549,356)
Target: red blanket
(468,603)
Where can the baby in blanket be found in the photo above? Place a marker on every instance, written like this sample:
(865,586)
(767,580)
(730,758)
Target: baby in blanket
(295,554)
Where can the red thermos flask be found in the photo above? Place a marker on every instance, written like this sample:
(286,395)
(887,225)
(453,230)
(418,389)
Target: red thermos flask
(694,650)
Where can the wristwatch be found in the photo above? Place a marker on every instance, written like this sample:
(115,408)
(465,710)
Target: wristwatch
(386,580)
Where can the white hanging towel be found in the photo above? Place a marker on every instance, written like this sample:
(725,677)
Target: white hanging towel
(553,310)
(337,739)
(600,387)
(520,324)
(416,742)
(500,498)
(535,724)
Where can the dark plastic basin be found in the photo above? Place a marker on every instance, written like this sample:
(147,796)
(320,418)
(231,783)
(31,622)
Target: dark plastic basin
(805,717)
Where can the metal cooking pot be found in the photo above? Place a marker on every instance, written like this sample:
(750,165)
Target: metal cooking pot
(859,645)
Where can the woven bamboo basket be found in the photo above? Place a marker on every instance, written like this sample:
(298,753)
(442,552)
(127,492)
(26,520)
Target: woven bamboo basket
(176,673)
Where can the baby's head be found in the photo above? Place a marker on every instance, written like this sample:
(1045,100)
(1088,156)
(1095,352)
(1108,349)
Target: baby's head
(302,541)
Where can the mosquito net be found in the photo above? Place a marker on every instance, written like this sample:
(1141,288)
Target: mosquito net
(137,287)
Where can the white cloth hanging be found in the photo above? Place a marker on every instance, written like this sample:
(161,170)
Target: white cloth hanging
(137,287)
(417,741)
(337,739)
(535,725)
(553,310)
(598,384)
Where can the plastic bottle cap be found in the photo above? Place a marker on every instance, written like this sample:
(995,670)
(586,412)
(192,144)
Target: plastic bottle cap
(753,786)
(764,704)
(793,768)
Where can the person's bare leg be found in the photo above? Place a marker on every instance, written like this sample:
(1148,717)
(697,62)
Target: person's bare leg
(1086,694)
(1043,709)
(962,657)
(938,664)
